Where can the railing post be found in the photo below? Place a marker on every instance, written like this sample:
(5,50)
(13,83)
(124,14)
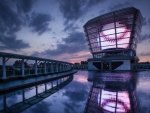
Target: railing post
(22,67)
(4,68)
(45,67)
(57,67)
(52,70)
(35,67)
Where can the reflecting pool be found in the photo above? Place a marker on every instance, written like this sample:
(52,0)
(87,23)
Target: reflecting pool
(83,92)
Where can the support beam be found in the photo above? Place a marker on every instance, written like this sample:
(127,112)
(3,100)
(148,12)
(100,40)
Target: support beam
(22,67)
(52,67)
(57,67)
(35,67)
(4,68)
(23,95)
(45,67)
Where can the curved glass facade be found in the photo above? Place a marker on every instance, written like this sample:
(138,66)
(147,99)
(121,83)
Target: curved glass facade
(114,33)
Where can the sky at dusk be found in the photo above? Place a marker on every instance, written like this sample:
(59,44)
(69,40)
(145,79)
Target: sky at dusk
(54,28)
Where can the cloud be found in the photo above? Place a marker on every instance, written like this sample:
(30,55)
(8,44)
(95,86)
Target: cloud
(40,23)
(12,43)
(10,23)
(70,27)
(119,6)
(72,9)
(148,22)
(144,21)
(144,37)
(69,107)
(74,43)
(41,107)
(24,5)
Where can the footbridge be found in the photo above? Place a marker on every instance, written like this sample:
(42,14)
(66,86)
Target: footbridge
(49,66)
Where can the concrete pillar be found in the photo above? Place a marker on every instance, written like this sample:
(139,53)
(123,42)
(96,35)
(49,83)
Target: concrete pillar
(60,67)
(52,70)
(52,84)
(22,67)
(56,67)
(35,67)
(4,68)
(23,95)
(45,87)
(45,67)
(63,67)
(36,90)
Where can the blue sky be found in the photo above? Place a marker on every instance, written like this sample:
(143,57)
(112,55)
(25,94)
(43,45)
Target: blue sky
(54,28)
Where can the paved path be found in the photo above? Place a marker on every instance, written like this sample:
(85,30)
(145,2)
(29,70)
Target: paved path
(23,82)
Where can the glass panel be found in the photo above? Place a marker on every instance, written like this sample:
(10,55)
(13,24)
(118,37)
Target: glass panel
(94,35)
(107,26)
(94,40)
(93,30)
(95,45)
(96,49)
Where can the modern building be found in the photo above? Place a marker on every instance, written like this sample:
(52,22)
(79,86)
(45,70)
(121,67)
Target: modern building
(113,38)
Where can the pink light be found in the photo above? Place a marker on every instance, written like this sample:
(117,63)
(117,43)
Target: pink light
(112,39)
(108,37)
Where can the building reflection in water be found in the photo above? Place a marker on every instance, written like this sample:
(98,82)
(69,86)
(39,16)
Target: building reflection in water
(112,93)
(20,104)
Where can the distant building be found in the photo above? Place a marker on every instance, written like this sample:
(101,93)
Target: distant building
(83,65)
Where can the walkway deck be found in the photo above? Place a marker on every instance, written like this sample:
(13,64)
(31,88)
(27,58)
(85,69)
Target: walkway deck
(8,86)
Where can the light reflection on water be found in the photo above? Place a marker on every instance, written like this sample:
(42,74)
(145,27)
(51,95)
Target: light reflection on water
(73,97)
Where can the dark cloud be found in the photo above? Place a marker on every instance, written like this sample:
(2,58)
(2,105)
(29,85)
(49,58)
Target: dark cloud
(73,9)
(10,23)
(148,22)
(144,21)
(12,43)
(70,27)
(41,107)
(74,43)
(69,107)
(119,6)
(77,95)
(144,37)
(40,23)
(24,5)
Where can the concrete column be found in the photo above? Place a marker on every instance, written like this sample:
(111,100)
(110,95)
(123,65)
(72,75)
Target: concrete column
(4,68)
(36,88)
(52,68)
(56,67)
(52,84)
(63,67)
(60,67)
(22,67)
(45,67)
(35,67)
(45,87)
(23,95)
